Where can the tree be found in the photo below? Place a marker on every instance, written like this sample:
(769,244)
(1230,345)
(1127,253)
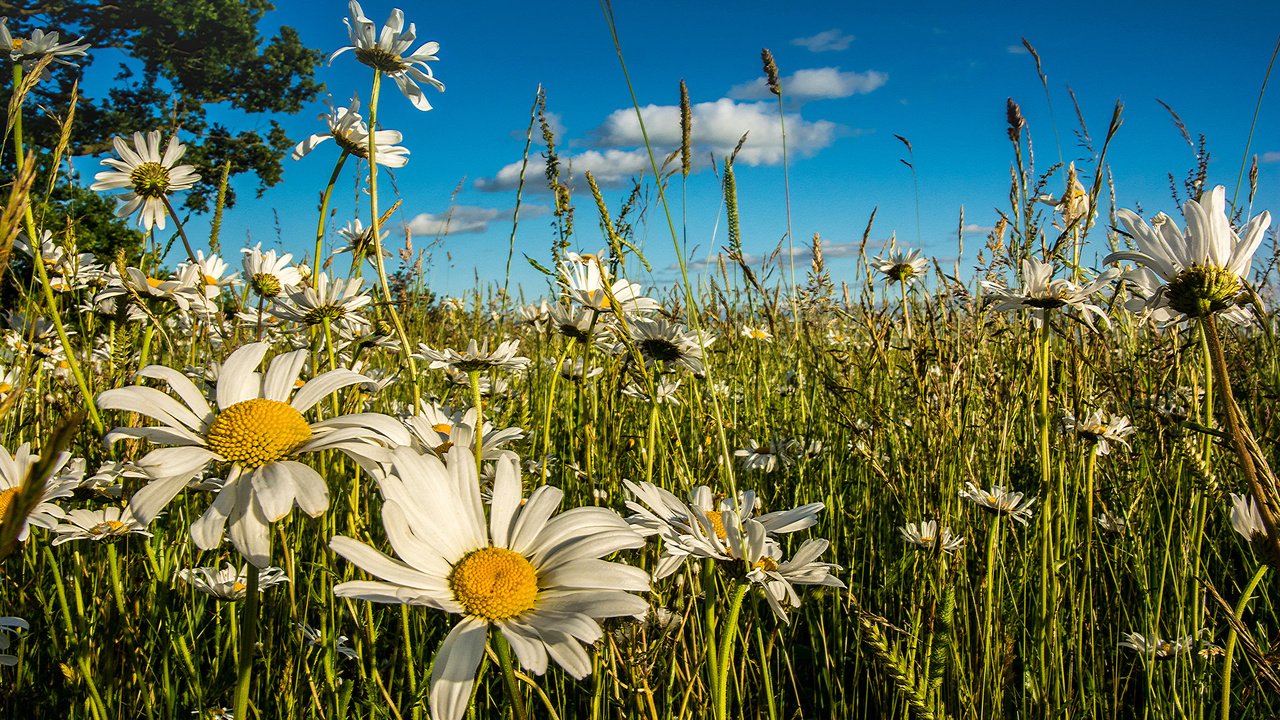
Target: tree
(181,58)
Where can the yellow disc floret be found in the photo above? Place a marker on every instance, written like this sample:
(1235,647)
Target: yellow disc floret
(717,524)
(108,527)
(6,499)
(256,432)
(494,583)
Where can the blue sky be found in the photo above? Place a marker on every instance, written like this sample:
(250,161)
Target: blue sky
(937,73)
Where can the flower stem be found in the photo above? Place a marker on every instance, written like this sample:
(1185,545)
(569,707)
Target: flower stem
(324,210)
(508,674)
(1232,636)
(728,633)
(477,401)
(248,639)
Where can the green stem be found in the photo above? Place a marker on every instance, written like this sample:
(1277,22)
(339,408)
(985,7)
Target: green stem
(117,590)
(1232,636)
(728,633)
(993,541)
(248,638)
(547,414)
(324,212)
(477,401)
(508,674)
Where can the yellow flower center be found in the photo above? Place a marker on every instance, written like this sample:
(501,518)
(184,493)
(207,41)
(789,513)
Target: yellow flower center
(210,280)
(380,59)
(108,527)
(154,282)
(759,334)
(767,564)
(494,583)
(6,499)
(717,524)
(150,179)
(237,587)
(5,388)
(256,432)
(442,428)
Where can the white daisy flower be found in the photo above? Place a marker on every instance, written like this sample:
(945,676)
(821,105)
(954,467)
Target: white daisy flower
(666,344)
(777,576)
(1099,430)
(30,51)
(1112,523)
(267,273)
(14,470)
(765,459)
(208,274)
(575,370)
(148,176)
(590,284)
(999,501)
(581,324)
(665,391)
(1073,205)
(10,626)
(901,267)
(1155,647)
(350,132)
(1203,271)
(228,583)
(109,523)
(929,536)
(256,428)
(313,638)
(536,577)
(384,52)
(1040,293)
(334,299)
(436,428)
(476,357)
(1246,519)
(752,332)
(360,240)
(536,316)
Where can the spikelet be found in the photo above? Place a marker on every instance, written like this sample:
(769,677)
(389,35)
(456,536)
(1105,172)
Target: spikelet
(686,131)
(903,677)
(1013,115)
(771,72)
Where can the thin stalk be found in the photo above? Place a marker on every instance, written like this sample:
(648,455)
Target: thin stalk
(477,401)
(324,208)
(508,674)
(728,633)
(248,639)
(1232,637)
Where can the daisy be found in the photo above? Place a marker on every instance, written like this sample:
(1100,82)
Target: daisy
(756,333)
(1100,431)
(582,325)
(360,240)
(148,176)
(1201,272)
(901,267)
(927,536)
(665,392)
(534,576)
(313,638)
(999,501)
(269,274)
(384,52)
(777,576)
(10,626)
(1074,205)
(590,284)
(1039,293)
(255,427)
(667,344)
(536,316)
(109,523)
(208,274)
(1155,647)
(350,132)
(1246,519)
(335,300)
(228,583)
(764,458)
(476,357)
(1112,523)
(30,51)
(437,428)
(13,472)
(575,370)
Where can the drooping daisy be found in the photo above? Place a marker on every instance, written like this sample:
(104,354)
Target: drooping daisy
(999,501)
(536,577)
(1074,205)
(148,175)
(1155,647)
(929,536)
(335,300)
(901,267)
(1040,293)
(536,316)
(109,523)
(208,274)
(668,345)
(1100,431)
(14,470)
(228,583)
(777,575)
(589,283)
(476,357)
(350,132)
(256,428)
(1203,271)
(1246,519)
(384,52)
(267,273)
(360,240)
(10,626)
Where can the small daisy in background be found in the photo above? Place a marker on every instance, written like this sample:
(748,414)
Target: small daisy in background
(1155,647)
(13,472)
(1099,430)
(1000,501)
(350,133)
(147,176)
(927,536)
(752,332)
(764,458)
(476,358)
(10,626)
(109,523)
(1040,293)
(901,267)
(229,583)
(269,274)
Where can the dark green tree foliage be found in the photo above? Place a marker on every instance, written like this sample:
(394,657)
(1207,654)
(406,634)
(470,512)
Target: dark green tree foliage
(177,60)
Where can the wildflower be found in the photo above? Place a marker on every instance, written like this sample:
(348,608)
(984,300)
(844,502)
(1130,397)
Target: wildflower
(1201,272)
(1112,523)
(255,428)
(217,712)
(437,428)
(1074,205)
(575,370)
(665,391)
(14,470)
(927,536)
(228,583)
(269,274)
(207,274)
(67,270)
(756,333)
(1099,431)
(778,576)
(536,577)
(667,344)
(30,51)
(536,316)
(902,267)
(109,523)
(360,241)
(314,638)
(476,357)
(999,501)
(335,300)
(384,52)
(1155,647)
(1039,293)
(591,284)
(148,176)
(764,458)
(582,325)
(350,132)
(10,626)
(1246,519)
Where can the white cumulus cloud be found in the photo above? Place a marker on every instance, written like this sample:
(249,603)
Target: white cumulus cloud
(814,84)
(461,220)
(1270,157)
(826,41)
(609,167)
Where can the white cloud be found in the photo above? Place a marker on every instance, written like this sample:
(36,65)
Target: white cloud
(610,167)
(717,126)
(1270,157)
(825,41)
(976,229)
(1016,50)
(814,84)
(461,220)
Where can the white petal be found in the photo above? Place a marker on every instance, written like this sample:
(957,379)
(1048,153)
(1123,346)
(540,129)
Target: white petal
(454,671)
(238,379)
(323,384)
(533,517)
(277,384)
(506,500)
